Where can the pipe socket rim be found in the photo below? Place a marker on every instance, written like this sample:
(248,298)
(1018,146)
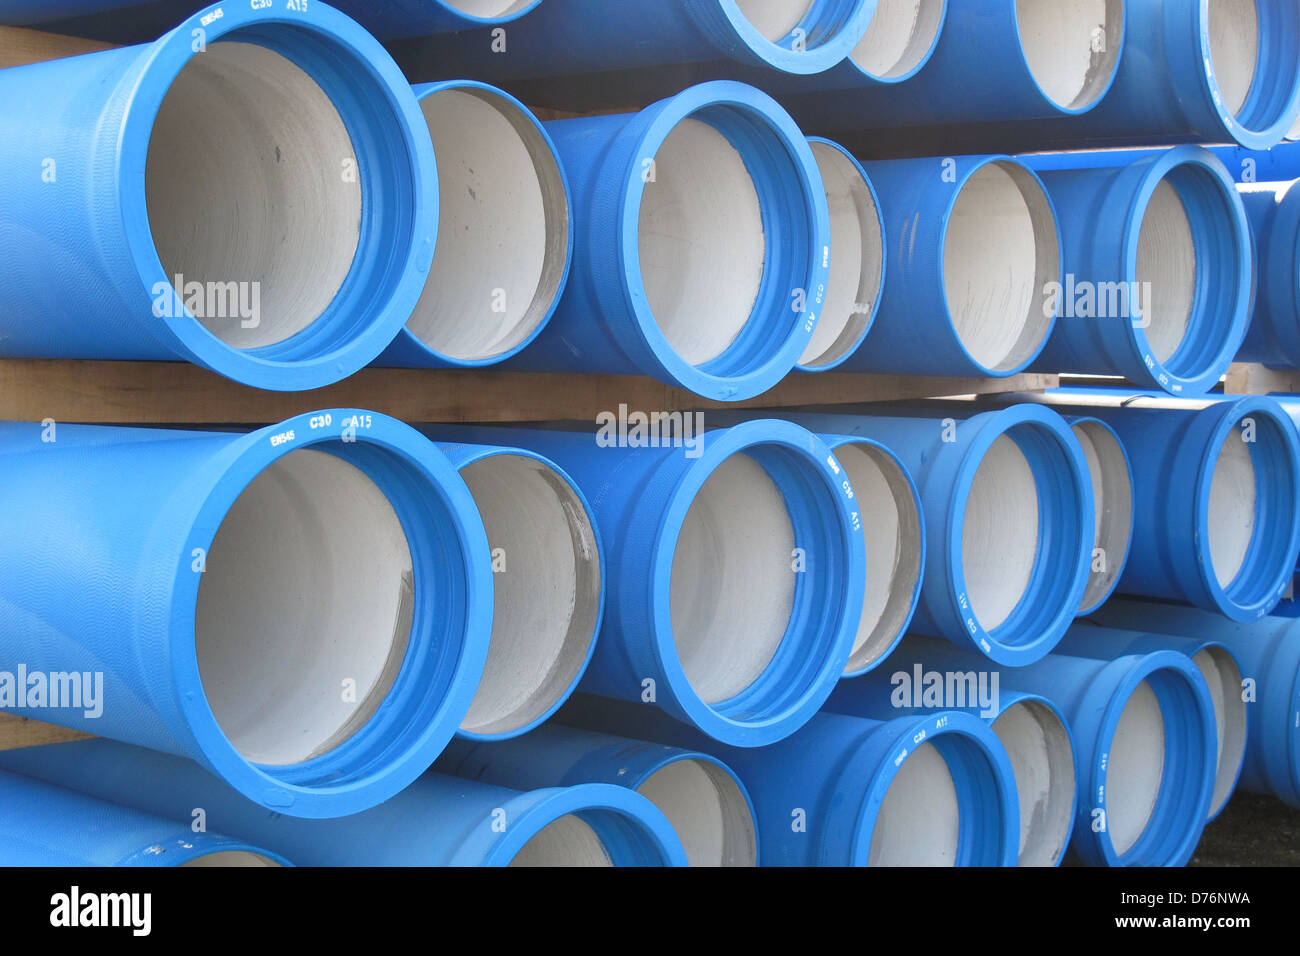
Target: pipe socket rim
(1232,722)
(1113,515)
(823,622)
(1094,87)
(932,17)
(445,650)
(473,20)
(1046,839)
(192,848)
(740,837)
(828,32)
(395,168)
(796,223)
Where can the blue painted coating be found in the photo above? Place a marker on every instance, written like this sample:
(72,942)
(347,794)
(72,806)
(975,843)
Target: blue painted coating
(409,350)
(79,252)
(1273,212)
(560,756)
(604,322)
(436,821)
(144,19)
(44,825)
(1101,214)
(461,456)
(1173,452)
(640,497)
(914,330)
(143,507)
(1092,696)
(1102,643)
(837,771)
(1246,165)
(1111,565)
(1268,651)
(944,471)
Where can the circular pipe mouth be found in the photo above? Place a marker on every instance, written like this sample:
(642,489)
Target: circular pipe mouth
(709,810)
(1042,757)
(332,616)
(1021,523)
(491,11)
(1221,673)
(857,259)
(757,582)
(549,592)
(1246,507)
(275,199)
(895,545)
(1072,48)
(1251,62)
(919,819)
(230,858)
(1001,248)
(1112,496)
(504,238)
(900,39)
(725,240)
(1155,762)
(1188,254)
(794,36)
(590,824)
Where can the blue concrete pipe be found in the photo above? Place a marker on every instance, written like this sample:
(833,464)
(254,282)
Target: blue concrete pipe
(1158,271)
(701,244)
(436,821)
(1216,512)
(972,244)
(1112,500)
(702,798)
(120,236)
(44,825)
(1032,730)
(1268,651)
(548,567)
(1144,739)
(131,21)
(305,609)
(1273,210)
(736,569)
(1222,675)
(505,238)
(928,790)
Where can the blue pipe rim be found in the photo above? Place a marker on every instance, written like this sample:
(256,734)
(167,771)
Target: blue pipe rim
(856,343)
(1128,541)
(799,680)
(514,105)
(192,847)
(633,830)
(473,21)
(1050,599)
(395,201)
(382,757)
(916,67)
(599,618)
(969,171)
(1205,194)
(1009,699)
(775,153)
(988,786)
(1110,80)
(831,28)
(835,442)
(1270,558)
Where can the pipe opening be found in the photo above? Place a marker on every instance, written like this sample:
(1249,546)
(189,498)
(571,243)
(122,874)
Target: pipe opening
(899,38)
(733,579)
(565,842)
(1233,29)
(1232,508)
(246,197)
(701,241)
(503,233)
(309,585)
(1112,495)
(1072,47)
(919,819)
(1221,673)
(1000,532)
(1167,266)
(547,598)
(489,9)
(893,541)
(774,18)
(1135,769)
(857,260)
(1000,251)
(1042,758)
(229,858)
(708,811)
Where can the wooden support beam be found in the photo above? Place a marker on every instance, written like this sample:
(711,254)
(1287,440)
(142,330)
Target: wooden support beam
(16,732)
(1245,378)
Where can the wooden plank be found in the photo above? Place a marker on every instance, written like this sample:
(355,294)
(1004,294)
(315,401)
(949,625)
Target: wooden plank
(19,46)
(1246,378)
(16,732)
(160,392)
